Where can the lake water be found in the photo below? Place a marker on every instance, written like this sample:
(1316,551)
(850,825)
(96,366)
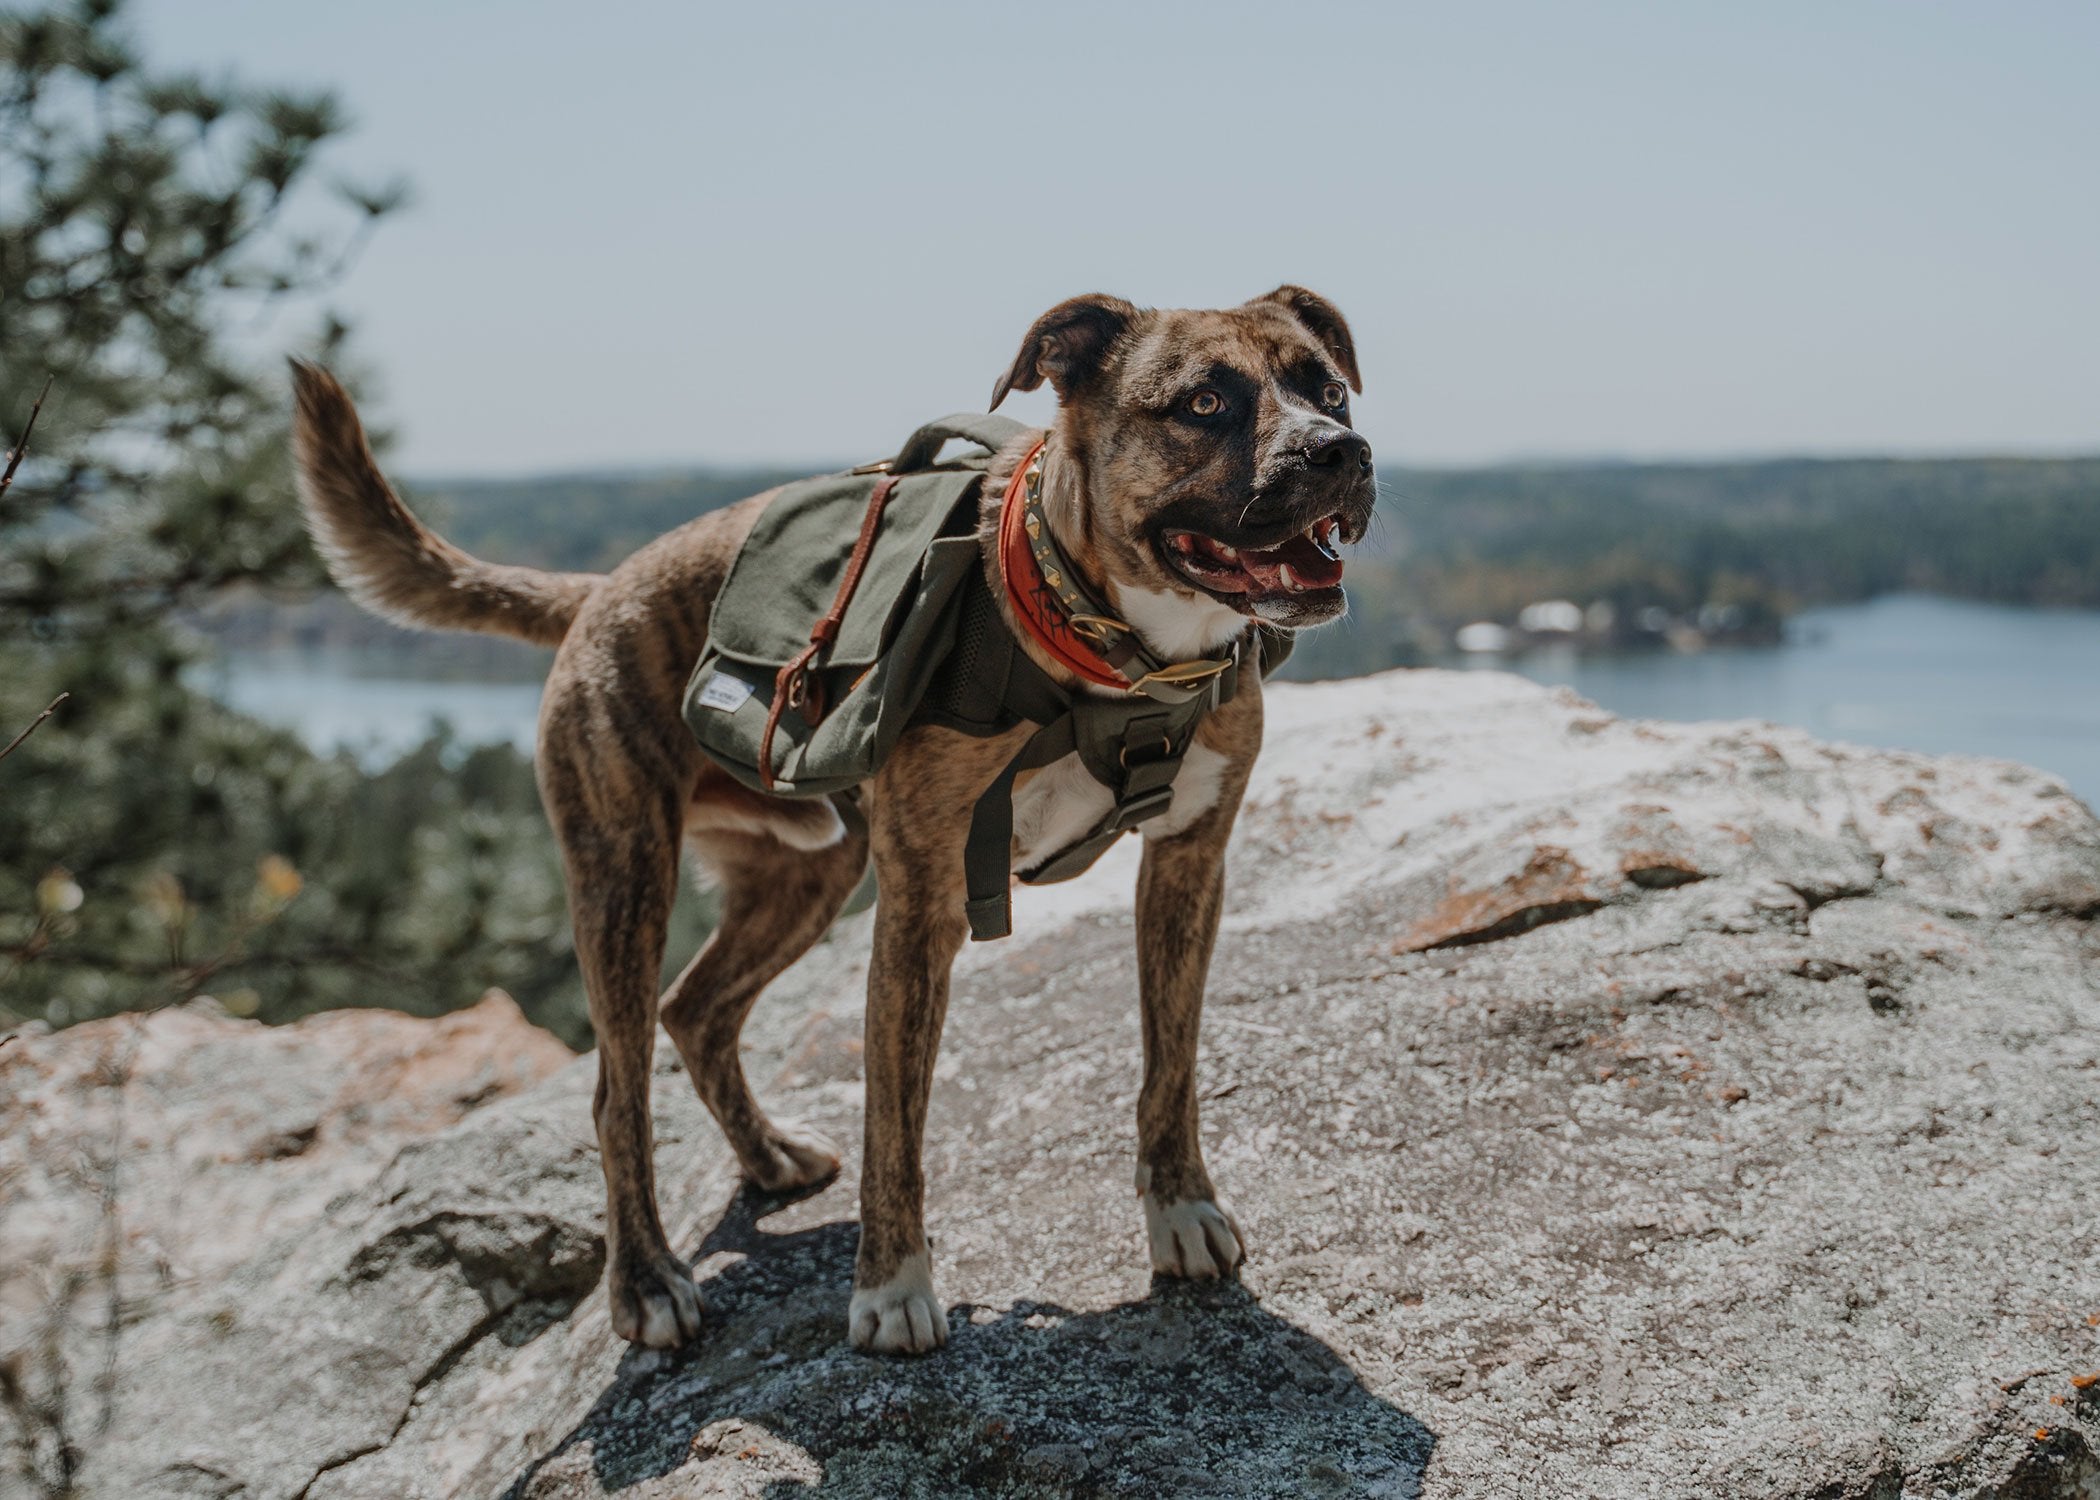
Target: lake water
(1906,671)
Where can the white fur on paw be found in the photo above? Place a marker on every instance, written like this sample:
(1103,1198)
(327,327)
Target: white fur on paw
(1197,1238)
(796,1155)
(902,1316)
(656,1304)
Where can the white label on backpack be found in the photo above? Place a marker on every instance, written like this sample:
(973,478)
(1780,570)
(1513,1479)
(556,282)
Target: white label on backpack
(725,692)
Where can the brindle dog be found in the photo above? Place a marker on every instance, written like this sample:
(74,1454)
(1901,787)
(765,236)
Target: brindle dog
(1199,470)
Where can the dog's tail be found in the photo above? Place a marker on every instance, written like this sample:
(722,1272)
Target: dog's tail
(390,562)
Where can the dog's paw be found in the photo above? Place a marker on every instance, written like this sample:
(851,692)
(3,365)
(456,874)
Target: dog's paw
(790,1156)
(654,1301)
(1195,1238)
(902,1316)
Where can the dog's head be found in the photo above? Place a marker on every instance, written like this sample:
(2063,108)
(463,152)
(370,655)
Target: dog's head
(1211,456)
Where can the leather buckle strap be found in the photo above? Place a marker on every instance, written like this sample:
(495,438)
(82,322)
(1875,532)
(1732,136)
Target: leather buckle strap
(796,685)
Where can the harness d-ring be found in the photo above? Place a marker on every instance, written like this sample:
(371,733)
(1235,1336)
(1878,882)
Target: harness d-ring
(1166,748)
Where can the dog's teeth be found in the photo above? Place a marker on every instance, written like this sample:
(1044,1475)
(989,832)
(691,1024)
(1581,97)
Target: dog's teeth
(1322,537)
(1228,554)
(1289,579)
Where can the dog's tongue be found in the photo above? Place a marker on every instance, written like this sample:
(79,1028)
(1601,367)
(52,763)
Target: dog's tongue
(1263,570)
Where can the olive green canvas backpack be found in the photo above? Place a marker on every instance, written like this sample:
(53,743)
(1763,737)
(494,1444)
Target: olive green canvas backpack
(858,606)
(897,626)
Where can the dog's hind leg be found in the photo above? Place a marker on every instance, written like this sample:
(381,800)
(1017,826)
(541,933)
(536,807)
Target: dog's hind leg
(612,778)
(623,875)
(778,895)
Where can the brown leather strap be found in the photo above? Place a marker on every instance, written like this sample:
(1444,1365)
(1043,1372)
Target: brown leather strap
(797,683)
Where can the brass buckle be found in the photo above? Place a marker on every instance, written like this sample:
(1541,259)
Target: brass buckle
(1096,628)
(1188,674)
(880,466)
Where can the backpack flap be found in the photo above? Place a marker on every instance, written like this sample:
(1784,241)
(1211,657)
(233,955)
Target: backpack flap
(787,572)
(896,627)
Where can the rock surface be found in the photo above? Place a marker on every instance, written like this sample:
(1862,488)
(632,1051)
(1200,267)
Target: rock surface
(1614,1109)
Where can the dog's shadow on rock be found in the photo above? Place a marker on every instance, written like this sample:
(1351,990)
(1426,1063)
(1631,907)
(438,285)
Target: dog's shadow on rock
(1196,1390)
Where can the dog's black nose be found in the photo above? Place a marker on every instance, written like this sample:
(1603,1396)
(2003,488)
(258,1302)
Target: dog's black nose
(1339,448)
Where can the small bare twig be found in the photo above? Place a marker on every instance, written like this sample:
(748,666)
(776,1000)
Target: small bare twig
(25,734)
(14,455)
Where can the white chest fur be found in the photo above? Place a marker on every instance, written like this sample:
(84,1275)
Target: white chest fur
(1061,803)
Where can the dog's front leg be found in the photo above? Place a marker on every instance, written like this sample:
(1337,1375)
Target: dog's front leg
(894,1309)
(1181,888)
(916,940)
(918,822)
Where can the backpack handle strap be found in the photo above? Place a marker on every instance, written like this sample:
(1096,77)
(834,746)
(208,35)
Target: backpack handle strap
(983,428)
(796,684)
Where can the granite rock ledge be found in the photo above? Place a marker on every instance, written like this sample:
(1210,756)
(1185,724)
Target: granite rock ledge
(1614,1109)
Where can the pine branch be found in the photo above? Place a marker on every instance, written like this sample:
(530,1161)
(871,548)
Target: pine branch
(14,457)
(33,725)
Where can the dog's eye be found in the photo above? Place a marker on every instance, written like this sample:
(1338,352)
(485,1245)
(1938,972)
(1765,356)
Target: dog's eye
(1332,394)
(1206,403)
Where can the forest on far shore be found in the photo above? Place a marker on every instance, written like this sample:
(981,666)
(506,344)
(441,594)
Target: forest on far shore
(1719,552)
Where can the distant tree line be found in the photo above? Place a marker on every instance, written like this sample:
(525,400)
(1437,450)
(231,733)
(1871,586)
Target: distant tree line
(1755,541)
(1751,541)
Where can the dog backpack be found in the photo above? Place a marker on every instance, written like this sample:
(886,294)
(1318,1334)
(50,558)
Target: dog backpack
(858,606)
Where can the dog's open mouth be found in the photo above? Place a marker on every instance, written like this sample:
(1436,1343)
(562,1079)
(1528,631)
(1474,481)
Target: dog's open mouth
(1302,564)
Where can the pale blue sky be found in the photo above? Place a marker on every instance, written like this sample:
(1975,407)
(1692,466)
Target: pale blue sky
(658,232)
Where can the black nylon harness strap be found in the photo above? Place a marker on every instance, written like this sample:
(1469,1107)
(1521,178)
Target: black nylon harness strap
(1133,746)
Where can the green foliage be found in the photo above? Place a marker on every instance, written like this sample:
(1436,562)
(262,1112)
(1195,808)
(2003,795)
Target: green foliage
(140,215)
(211,854)
(152,844)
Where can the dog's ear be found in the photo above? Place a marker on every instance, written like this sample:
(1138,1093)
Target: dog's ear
(1323,320)
(1066,345)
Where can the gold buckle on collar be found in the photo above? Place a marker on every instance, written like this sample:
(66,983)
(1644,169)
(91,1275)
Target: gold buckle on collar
(1183,674)
(1101,630)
